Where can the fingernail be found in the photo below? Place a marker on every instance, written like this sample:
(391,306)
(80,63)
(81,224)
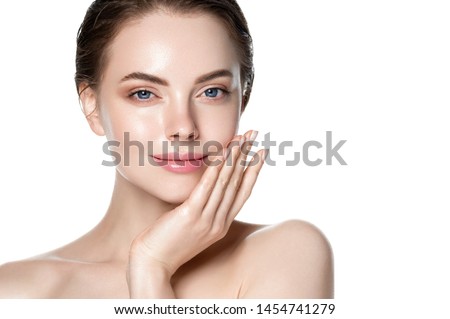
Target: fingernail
(253,136)
(242,140)
(266,152)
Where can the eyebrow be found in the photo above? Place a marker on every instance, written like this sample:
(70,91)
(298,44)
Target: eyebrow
(145,77)
(214,75)
(152,78)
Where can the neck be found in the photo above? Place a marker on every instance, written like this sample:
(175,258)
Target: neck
(131,211)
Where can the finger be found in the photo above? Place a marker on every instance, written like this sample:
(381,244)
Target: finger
(246,187)
(233,152)
(236,179)
(202,191)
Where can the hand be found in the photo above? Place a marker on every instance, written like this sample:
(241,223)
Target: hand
(200,221)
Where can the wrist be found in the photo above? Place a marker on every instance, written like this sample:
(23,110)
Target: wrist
(149,279)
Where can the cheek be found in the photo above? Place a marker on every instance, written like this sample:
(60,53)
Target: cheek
(219,125)
(133,130)
(140,125)
(133,134)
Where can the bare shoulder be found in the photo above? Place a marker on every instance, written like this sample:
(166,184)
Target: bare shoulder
(292,259)
(32,278)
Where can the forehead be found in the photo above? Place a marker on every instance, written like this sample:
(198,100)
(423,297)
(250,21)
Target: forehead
(165,44)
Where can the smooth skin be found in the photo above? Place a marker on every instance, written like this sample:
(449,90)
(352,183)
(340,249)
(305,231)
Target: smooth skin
(174,235)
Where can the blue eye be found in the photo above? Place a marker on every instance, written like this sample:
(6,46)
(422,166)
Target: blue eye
(143,94)
(213,92)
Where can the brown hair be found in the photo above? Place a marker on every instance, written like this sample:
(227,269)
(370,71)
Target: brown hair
(104,19)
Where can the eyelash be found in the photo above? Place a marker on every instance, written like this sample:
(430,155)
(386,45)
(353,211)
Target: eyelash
(134,94)
(223,91)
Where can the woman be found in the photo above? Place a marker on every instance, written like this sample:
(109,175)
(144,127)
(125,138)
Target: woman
(166,82)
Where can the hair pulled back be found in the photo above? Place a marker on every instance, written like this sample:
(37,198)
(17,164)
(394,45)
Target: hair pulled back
(105,18)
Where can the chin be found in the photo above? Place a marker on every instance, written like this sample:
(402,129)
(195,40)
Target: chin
(168,187)
(175,192)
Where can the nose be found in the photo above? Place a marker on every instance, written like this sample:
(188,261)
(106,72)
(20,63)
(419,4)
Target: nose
(180,124)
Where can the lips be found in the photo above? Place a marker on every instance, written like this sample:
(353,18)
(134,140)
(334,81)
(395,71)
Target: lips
(179,163)
(179,156)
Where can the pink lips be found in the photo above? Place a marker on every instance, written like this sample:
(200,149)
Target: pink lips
(179,163)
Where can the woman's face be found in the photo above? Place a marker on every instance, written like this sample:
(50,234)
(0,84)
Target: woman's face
(174,81)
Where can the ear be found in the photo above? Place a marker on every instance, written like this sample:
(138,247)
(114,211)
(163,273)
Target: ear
(88,99)
(244,98)
(243,104)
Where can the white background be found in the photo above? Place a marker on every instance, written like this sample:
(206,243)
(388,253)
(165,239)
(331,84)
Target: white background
(375,73)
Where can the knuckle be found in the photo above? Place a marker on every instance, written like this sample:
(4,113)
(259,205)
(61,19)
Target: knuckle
(206,185)
(246,193)
(235,154)
(235,183)
(203,227)
(190,219)
(186,215)
(223,182)
(203,186)
(183,210)
(243,162)
(218,231)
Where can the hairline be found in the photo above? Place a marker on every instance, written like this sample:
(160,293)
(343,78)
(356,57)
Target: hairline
(168,10)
